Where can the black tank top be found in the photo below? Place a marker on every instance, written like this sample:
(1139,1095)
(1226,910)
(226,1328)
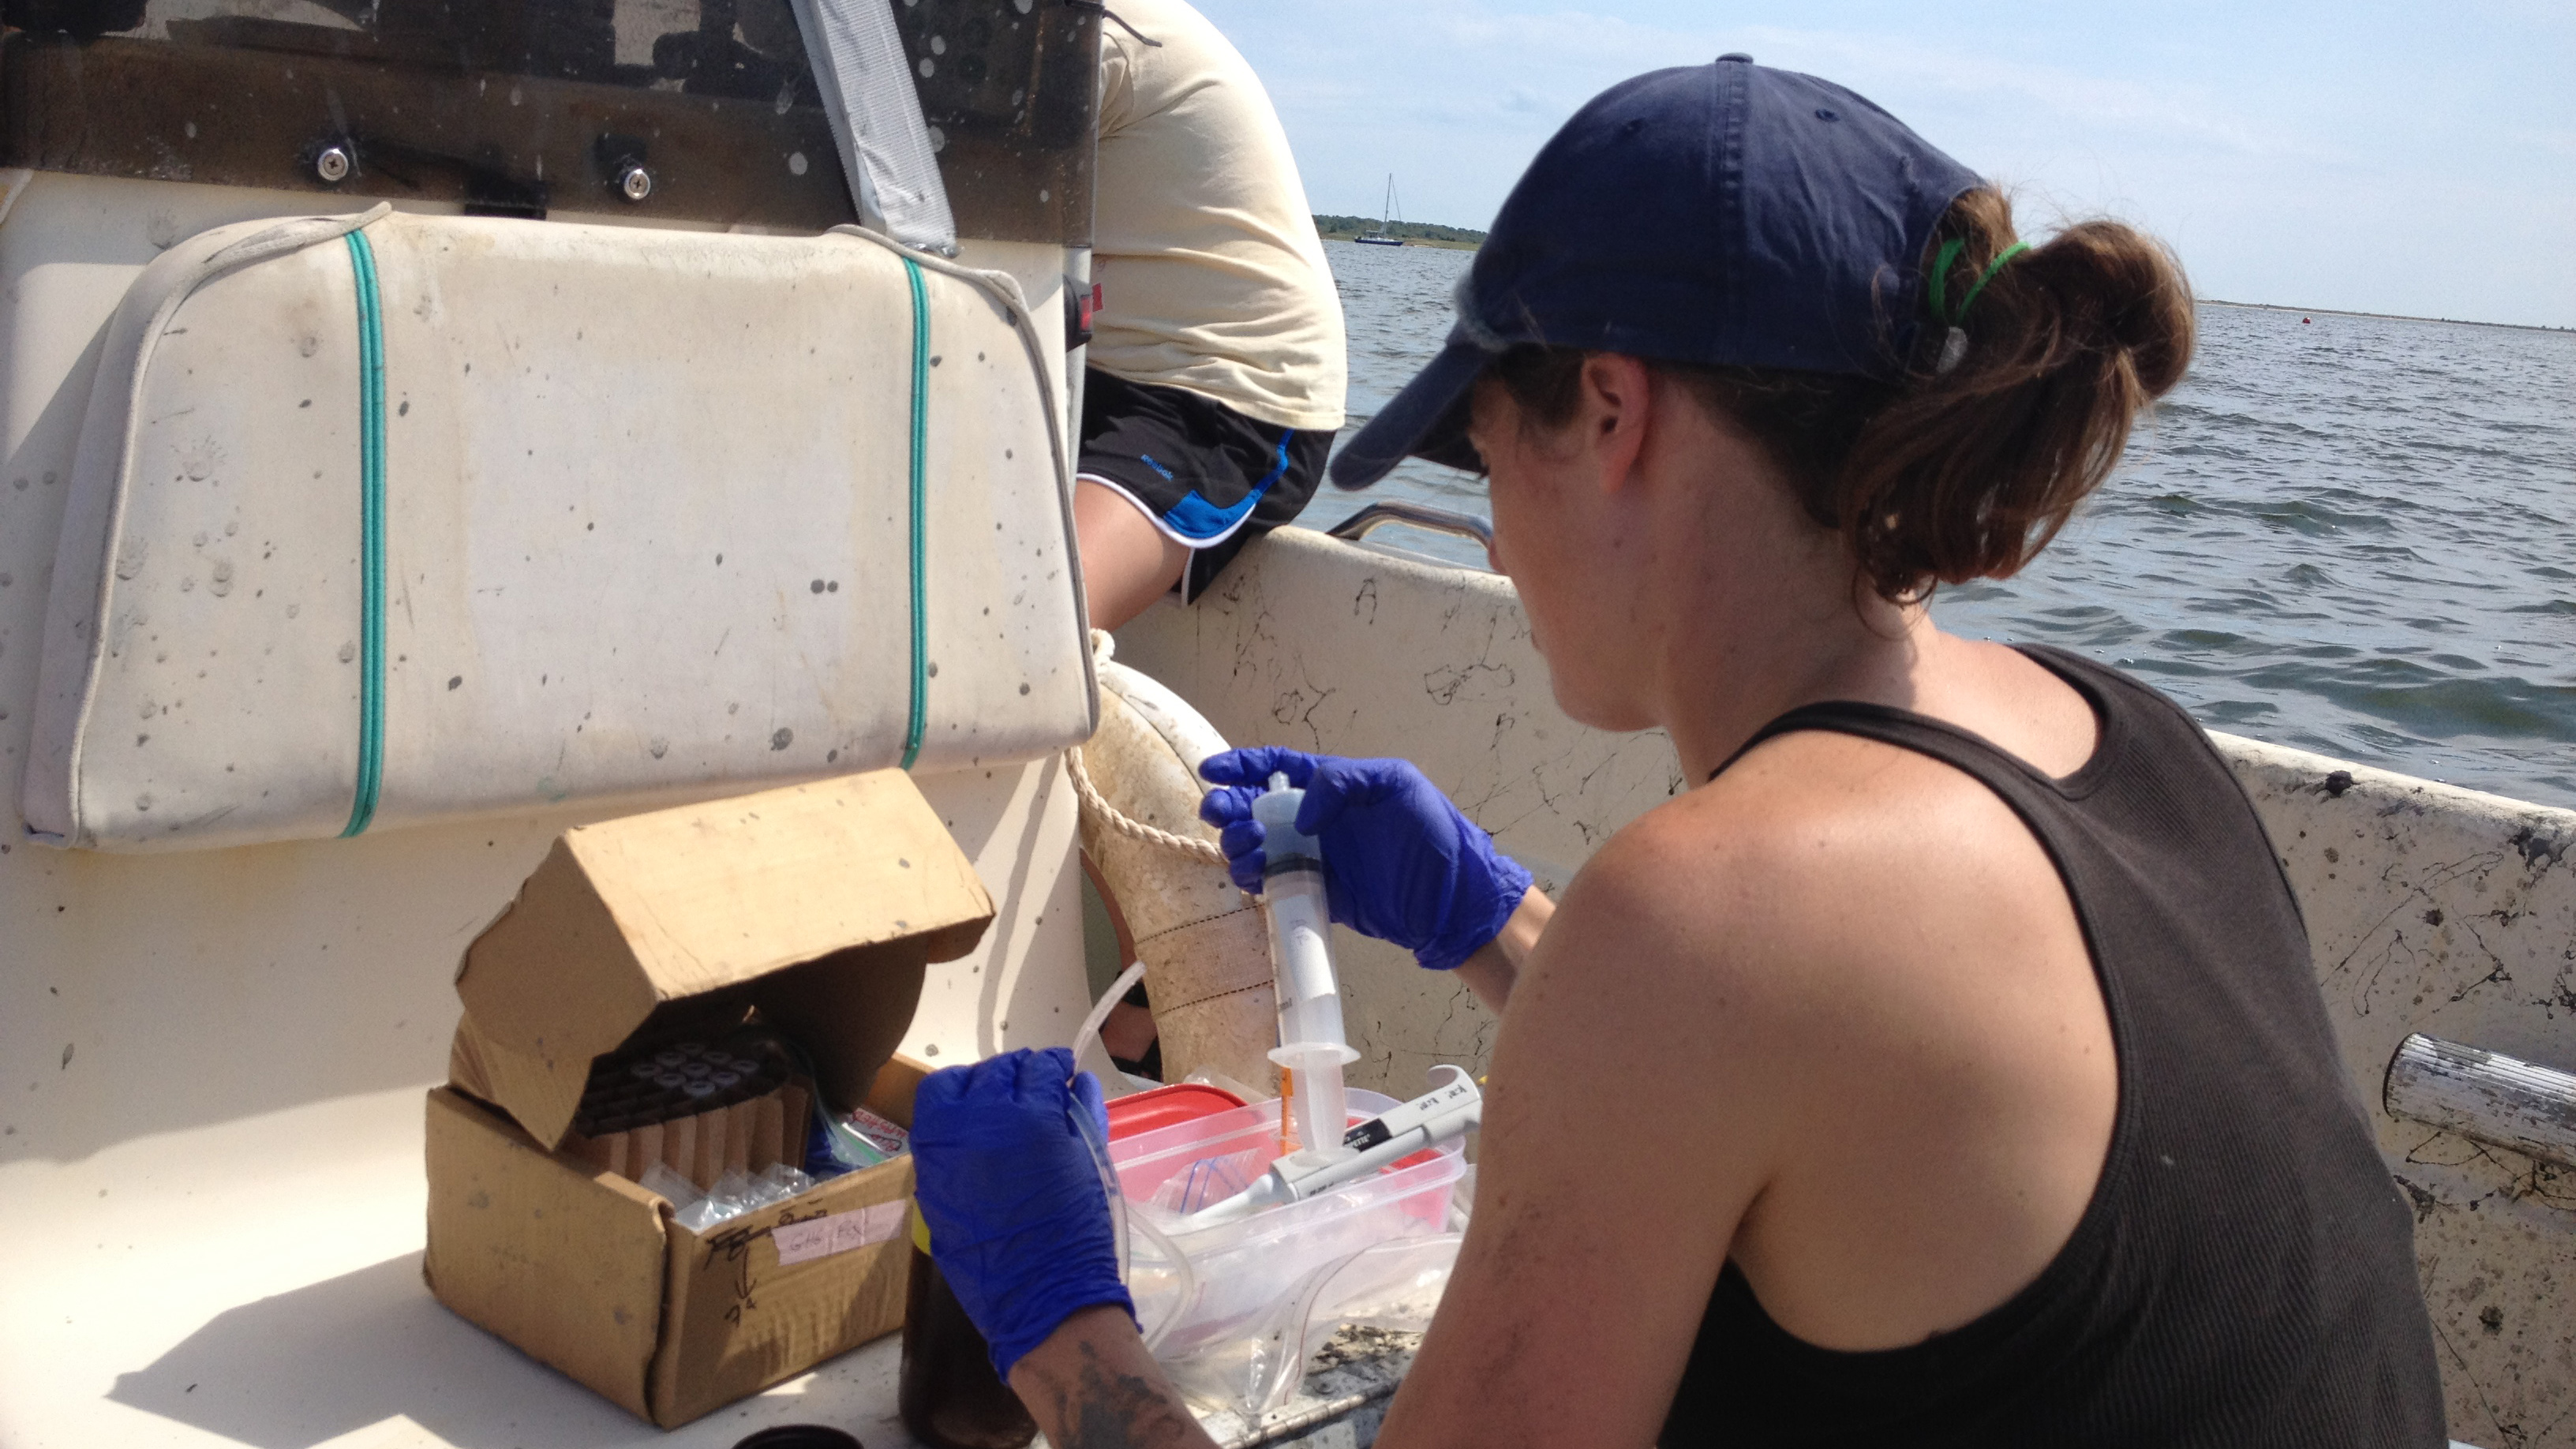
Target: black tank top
(2245,1271)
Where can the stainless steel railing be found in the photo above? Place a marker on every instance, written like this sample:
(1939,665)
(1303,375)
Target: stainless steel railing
(1413,515)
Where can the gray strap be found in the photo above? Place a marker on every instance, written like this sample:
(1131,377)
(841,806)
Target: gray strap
(866,80)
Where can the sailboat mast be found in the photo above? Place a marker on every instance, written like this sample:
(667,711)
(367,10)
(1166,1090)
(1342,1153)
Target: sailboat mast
(1383,236)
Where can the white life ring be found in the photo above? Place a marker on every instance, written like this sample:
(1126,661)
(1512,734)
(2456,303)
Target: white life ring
(1205,947)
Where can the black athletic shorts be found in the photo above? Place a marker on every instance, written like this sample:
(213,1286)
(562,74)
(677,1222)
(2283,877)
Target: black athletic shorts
(1207,475)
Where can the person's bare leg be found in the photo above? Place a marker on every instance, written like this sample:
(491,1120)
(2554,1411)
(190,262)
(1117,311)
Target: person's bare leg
(1127,563)
(1129,1032)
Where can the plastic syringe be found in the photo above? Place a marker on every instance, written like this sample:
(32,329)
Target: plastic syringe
(1311,1044)
(1444,1112)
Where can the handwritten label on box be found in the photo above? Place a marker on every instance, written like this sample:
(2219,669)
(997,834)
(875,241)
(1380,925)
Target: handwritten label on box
(837,1233)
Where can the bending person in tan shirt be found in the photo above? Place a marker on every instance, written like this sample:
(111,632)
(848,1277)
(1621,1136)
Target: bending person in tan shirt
(1216,367)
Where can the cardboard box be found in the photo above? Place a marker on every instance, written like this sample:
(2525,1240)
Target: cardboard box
(818,905)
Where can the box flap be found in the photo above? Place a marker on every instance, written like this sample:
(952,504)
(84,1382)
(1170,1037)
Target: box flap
(818,903)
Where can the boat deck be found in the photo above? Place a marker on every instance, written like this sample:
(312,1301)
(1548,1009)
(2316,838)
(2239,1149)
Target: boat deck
(161,1294)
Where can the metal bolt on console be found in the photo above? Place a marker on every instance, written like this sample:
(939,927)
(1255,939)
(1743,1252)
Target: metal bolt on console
(635,183)
(332,165)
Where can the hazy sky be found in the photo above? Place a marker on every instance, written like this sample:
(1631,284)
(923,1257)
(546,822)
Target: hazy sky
(2376,158)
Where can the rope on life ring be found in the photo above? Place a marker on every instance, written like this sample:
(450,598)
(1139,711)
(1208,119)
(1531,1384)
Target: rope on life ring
(1202,941)
(1127,825)
(1104,648)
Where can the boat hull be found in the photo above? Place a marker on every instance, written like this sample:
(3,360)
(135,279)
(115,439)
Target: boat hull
(211,1145)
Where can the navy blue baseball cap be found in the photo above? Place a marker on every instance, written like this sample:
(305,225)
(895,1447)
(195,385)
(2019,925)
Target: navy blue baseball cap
(1725,215)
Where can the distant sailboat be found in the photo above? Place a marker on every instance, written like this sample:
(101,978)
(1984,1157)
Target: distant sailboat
(1387,216)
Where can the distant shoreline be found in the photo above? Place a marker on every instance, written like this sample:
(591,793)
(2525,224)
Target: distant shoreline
(1459,241)
(2379,316)
(1411,241)
(1333,227)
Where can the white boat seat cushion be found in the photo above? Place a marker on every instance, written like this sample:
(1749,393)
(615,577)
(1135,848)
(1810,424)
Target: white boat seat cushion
(646,528)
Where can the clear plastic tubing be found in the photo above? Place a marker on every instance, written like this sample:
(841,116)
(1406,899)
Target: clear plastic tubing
(1311,1044)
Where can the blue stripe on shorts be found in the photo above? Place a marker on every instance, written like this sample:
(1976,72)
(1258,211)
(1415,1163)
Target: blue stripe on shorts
(1202,522)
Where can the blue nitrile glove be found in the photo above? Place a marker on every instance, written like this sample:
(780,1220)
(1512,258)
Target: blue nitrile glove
(1400,862)
(1019,1223)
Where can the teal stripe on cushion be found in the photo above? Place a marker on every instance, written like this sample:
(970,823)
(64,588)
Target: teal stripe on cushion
(919,721)
(371,476)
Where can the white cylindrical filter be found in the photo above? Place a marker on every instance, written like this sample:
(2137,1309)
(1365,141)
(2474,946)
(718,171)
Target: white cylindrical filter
(1311,1042)
(1319,1109)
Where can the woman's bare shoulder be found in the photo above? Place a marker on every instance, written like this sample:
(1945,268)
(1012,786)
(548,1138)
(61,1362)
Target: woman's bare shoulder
(1798,878)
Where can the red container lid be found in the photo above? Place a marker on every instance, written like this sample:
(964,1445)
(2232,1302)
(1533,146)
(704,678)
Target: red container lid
(1167,1107)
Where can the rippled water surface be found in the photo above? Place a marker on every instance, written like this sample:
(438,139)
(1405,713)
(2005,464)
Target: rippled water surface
(2355,535)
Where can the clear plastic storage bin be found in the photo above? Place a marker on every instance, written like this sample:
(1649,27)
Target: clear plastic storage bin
(1233,1310)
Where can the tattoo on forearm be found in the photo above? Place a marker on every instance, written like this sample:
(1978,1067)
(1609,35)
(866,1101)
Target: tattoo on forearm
(1106,1409)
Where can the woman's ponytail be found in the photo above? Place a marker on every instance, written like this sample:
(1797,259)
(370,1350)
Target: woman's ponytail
(1968,471)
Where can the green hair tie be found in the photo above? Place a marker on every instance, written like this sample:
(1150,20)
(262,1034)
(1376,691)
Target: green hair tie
(1941,263)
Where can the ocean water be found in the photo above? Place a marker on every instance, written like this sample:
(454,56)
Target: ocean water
(2354,535)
